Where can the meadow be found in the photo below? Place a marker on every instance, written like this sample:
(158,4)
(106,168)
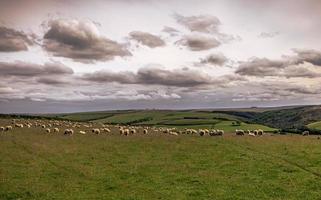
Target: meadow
(38,165)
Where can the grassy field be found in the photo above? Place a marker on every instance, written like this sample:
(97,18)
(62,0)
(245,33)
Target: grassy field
(35,165)
(166,118)
(315,125)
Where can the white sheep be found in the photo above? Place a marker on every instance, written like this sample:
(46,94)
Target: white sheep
(8,128)
(305,133)
(126,131)
(68,132)
(250,133)
(201,132)
(260,132)
(82,132)
(173,133)
(96,131)
(19,125)
(239,132)
(132,131)
(48,130)
(2,128)
(145,131)
(56,130)
(219,132)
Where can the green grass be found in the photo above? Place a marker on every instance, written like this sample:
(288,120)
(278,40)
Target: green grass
(86,116)
(35,165)
(315,125)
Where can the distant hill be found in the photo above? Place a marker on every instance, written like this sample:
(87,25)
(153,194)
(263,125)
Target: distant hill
(290,118)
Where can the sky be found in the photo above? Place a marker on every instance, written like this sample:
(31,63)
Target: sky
(72,56)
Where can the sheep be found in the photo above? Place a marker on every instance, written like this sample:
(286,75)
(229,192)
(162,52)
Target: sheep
(132,131)
(28,126)
(219,132)
(48,130)
(201,132)
(106,130)
(43,126)
(239,132)
(8,128)
(173,133)
(260,132)
(68,132)
(166,131)
(212,133)
(19,125)
(145,131)
(256,132)
(96,131)
(305,133)
(2,128)
(56,130)
(126,131)
(121,131)
(250,133)
(82,132)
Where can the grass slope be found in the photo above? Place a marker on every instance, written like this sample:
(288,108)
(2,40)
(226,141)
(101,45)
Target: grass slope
(34,165)
(315,125)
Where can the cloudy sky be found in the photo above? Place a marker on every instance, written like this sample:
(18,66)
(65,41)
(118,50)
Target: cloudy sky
(68,55)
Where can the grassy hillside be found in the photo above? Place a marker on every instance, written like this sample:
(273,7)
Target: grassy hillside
(315,125)
(35,165)
(289,119)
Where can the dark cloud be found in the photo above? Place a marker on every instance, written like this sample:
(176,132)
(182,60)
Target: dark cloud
(200,23)
(12,40)
(289,66)
(308,55)
(170,30)
(147,39)
(215,59)
(80,41)
(260,67)
(153,76)
(51,80)
(198,42)
(24,69)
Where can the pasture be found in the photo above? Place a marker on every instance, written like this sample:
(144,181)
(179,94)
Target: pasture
(39,165)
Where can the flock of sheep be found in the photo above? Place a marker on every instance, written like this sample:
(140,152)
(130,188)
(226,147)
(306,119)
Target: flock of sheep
(69,128)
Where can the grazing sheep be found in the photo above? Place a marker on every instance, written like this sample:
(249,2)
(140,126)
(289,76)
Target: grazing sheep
(82,132)
(212,133)
(260,132)
(166,131)
(96,131)
(239,132)
(2,128)
(201,132)
(8,128)
(19,125)
(126,132)
(219,132)
(305,133)
(106,130)
(173,133)
(145,131)
(256,132)
(56,130)
(48,130)
(121,131)
(68,132)
(132,131)
(250,133)
(43,126)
